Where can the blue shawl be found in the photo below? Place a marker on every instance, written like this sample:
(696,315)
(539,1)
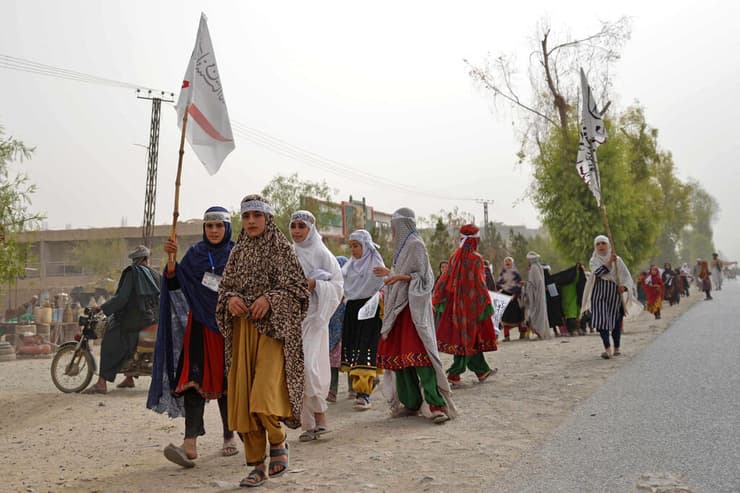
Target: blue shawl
(174,307)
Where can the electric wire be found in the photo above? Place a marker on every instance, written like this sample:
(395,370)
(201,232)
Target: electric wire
(253,135)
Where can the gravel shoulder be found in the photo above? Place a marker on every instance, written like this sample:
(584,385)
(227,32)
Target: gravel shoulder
(51,441)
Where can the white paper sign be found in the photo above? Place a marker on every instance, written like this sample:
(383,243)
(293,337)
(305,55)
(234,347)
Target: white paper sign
(370,308)
(499,302)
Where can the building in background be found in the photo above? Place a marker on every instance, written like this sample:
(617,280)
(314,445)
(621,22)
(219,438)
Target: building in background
(56,264)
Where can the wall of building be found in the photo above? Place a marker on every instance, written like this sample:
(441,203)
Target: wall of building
(53,268)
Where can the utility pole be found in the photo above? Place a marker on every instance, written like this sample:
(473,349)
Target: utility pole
(150,195)
(485,203)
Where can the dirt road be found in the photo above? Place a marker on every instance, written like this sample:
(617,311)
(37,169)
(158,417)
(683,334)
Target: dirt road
(51,441)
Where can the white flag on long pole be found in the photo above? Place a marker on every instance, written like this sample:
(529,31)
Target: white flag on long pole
(593,134)
(202,96)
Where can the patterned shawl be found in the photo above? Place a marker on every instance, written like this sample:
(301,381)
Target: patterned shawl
(462,289)
(411,258)
(267,265)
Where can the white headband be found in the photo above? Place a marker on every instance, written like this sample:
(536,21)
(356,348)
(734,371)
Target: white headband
(257,205)
(303,216)
(465,237)
(396,216)
(214,216)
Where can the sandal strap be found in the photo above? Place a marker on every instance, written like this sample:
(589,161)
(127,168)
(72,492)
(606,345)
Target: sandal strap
(277,452)
(256,476)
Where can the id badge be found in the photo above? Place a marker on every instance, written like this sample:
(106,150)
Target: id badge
(211,281)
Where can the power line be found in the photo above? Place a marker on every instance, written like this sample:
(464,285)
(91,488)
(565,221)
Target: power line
(253,135)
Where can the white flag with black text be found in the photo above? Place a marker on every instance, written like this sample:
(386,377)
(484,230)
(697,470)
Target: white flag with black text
(592,135)
(202,96)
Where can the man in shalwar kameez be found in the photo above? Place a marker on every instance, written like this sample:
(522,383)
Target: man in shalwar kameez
(325,282)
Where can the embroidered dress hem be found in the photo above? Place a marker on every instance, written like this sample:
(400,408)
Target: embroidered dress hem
(479,339)
(403,348)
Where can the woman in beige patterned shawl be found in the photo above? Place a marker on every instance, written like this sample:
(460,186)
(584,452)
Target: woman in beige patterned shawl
(262,301)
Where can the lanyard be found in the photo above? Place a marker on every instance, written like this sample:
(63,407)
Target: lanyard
(395,257)
(210,258)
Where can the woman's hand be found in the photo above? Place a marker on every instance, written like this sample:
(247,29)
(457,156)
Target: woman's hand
(311,284)
(397,278)
(170,246)
(622,289)
(237,307)
(259,308)
(381,271)
(611,260)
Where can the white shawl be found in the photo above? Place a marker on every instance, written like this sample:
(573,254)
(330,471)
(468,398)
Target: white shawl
(318,263)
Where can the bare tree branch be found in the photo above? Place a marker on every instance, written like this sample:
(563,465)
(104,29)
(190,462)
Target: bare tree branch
(481,76)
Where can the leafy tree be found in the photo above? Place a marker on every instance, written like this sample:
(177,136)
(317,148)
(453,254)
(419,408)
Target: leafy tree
(289,194)
(645,200)
(696,239)
(15,201)
(492,246)
(675,211)
(382,237)
(518,246)
(439,244)
(101,257)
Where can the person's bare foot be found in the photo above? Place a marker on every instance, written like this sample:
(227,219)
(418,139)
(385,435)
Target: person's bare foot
(229,447)
(190,448)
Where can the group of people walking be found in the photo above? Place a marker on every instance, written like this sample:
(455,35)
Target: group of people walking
(251,320)
(264,326)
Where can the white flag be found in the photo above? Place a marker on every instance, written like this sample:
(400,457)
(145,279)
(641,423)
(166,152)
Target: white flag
(202,96)
(593,134)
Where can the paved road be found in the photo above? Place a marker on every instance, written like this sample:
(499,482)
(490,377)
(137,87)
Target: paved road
(674,408)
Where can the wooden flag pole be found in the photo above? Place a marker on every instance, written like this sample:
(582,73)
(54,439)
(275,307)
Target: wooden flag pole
(605,219)
(176,211)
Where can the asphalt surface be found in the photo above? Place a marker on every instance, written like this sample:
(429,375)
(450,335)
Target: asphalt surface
(675,408)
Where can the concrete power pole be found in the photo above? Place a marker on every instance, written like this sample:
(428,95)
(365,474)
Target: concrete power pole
(485,203)
(150,195)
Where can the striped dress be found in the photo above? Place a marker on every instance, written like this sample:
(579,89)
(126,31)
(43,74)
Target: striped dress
(606,307)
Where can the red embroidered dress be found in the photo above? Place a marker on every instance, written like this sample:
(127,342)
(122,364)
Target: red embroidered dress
(461,295)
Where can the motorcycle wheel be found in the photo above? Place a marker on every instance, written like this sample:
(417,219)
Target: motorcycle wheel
(72,369)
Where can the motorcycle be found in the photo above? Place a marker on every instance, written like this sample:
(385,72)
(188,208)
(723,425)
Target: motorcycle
(74,365)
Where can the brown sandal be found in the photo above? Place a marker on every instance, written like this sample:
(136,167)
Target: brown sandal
(256,477)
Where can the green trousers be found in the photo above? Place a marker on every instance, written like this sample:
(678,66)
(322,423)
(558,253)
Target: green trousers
(407,385)
(475,363)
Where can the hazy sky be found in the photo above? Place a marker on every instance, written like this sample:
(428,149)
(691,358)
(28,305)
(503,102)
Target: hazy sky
(378,86)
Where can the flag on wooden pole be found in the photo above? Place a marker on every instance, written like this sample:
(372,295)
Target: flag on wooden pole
(202,96)
(593,134)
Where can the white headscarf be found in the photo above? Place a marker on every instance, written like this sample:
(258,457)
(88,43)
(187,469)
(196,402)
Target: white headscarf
(598,260)
(319,264)
(311,252)
(359,280)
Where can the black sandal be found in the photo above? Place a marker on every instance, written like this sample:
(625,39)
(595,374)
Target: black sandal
(277,452)
(256,477)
